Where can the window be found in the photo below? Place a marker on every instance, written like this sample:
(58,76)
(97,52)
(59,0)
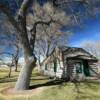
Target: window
(55,65)
(78,67)
(46,67)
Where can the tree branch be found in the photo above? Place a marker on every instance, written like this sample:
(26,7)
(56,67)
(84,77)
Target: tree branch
(47,58)
(33,30)
(19,25)
(6,11)
(24,7)
(42,23)
(21,15)
(60,2)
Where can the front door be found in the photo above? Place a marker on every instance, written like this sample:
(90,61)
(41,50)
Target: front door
(86,68)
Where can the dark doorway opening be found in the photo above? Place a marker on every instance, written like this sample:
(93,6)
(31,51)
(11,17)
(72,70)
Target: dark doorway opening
(86,68)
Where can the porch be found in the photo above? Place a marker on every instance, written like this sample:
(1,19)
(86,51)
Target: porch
(80,69)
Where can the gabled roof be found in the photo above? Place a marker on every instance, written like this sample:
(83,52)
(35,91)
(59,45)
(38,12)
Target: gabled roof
(76,53)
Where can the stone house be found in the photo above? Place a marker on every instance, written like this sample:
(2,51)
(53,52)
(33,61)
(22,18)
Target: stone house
(70,63)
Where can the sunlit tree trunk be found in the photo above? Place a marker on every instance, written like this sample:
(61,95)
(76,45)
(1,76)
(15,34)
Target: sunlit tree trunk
(26,71)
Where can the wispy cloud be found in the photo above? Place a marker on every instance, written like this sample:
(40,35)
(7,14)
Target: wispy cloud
(82,42)
(78,38)
(9,60)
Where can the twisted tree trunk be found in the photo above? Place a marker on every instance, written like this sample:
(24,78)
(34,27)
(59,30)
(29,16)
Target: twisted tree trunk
(25,74)
(26,71)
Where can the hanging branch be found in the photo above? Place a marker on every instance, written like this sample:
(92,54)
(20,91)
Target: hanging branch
(33,30)
(6,11)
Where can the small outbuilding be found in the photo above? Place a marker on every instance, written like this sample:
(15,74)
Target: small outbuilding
(70,63)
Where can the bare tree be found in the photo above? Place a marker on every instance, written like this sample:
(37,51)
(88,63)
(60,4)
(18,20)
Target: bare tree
(92,47)
(9,40)
(9,63)
(27,43)
(48,36)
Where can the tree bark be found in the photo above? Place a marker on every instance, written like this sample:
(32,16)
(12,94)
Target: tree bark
(24,77)
(30,62)
(25,73)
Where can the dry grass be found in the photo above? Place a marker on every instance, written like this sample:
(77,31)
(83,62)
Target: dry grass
(88,90)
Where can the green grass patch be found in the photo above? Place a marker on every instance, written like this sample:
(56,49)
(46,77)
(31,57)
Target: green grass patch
(87,90)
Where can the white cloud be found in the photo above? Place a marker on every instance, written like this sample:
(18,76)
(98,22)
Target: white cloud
(9,59)
(21,61)
(83,42)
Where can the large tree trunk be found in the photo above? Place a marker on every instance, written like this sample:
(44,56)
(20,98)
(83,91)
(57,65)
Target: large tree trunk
(30,62)
(24,76)
(25,73)
(20,25)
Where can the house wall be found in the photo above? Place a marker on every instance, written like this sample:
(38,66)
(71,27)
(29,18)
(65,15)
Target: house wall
(50,70)
(69,69)
(72,69)
(94,68)
(65,67)
(64,60)
(60,64)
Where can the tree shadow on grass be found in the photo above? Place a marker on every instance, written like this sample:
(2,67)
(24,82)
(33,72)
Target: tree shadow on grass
(77,87)
(41,78)
(3,70)
(5,77)
(93,85)
(78,91)
(49,83)
(87,97)
(35,74)
(6,80)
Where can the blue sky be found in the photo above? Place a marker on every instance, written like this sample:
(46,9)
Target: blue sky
(90,31)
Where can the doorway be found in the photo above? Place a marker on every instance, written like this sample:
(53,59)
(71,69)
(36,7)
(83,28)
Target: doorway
(86,68)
